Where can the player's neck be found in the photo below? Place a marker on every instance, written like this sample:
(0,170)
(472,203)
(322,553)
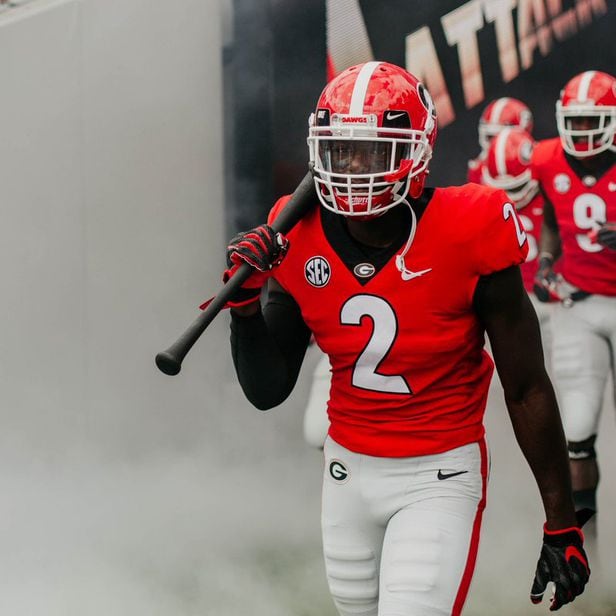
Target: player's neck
(599,162)
(378,232)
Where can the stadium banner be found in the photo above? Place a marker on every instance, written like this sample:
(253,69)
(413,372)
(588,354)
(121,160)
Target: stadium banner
(466,53)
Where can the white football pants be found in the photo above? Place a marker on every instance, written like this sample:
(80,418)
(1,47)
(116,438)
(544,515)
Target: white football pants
(400,535)
(583,353)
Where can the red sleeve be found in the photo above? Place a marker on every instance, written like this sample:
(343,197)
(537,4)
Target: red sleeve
(474,171)
(501,240)
(543,152)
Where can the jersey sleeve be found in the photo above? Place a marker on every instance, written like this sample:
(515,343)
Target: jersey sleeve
(543,152)
(501,241)
(474,171)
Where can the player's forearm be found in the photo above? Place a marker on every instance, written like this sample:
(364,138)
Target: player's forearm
(538,430)
(259,363)
(268,349)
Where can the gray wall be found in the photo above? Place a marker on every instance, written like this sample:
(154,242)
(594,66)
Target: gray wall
(125,491)
(112,218)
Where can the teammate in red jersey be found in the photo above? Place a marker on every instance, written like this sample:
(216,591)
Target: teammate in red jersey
(577,175)
(398,284)
(501,113)
(508,167)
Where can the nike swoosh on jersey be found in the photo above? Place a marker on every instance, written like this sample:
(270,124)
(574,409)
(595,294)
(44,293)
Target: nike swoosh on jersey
(408,275)
(442,475)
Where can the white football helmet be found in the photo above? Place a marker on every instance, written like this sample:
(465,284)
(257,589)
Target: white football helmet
(503,113)
(507,166)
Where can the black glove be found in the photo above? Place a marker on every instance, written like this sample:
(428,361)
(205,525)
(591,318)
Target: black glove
(546,280)
(262,248)
(562,562)
(606,235)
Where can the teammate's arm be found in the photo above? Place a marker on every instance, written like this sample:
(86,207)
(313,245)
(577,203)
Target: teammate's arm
(268,347)
(550,237)
(549,252)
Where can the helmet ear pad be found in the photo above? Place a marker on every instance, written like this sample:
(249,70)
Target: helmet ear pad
(417,185)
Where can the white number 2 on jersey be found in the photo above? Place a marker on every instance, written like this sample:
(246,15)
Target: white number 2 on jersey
(384,331)
(509,212)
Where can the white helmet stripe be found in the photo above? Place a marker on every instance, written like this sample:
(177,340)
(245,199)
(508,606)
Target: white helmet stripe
(499,105)
(582,95)
(501,143)
(361,88)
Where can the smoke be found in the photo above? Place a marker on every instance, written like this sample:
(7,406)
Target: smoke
(230,526)
(512,529)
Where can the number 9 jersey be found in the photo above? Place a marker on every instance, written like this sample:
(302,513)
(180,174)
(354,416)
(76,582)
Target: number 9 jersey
(581,201)
(410,375)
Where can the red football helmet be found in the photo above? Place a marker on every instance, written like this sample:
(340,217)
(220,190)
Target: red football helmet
(371,139)
(501,113)
(586,114)
(507,166)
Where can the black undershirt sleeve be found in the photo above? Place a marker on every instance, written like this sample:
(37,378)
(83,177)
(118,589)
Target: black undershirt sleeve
(268,350)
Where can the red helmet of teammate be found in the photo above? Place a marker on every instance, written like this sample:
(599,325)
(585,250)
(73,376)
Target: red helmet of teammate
(507,166)
(586,114)
(371,139)
(502,113)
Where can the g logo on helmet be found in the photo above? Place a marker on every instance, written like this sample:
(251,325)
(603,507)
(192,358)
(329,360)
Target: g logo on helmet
(338,471)
(317,271)
(526,152)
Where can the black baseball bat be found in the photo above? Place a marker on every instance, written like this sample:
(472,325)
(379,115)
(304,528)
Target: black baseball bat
(170,360)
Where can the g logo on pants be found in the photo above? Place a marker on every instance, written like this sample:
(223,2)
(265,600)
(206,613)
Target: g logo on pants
(338,471)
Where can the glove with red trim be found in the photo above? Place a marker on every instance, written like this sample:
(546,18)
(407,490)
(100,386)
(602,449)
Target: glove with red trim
(563,562)
(546,280)
(606,235)
(263,249)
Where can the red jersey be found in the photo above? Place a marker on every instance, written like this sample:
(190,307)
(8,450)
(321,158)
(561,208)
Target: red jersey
(409,373)
(580,202)
(475,170)
(531,217)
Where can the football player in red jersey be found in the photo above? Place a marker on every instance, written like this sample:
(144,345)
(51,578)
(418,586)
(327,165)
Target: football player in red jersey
(577,174)
(508,167)
(398,283)
(500,113)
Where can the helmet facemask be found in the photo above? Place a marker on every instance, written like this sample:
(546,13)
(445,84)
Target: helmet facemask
(487,132)
(590,141)
(362,169)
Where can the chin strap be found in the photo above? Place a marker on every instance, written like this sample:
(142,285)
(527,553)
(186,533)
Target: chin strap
(407,274)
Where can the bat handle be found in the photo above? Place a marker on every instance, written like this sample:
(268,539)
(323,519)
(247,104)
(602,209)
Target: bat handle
(168,363)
